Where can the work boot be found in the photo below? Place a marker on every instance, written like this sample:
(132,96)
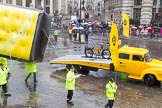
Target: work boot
(106,106)
(7,94)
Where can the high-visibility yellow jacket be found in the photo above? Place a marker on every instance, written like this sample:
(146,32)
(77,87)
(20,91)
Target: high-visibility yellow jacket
(111,90)
(30,67)
(70,80)
(3,61)
(56,32)
(3,79)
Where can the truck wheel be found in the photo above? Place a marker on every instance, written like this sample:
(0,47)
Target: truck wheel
(88,53)
(84,71)
(149,80)
(76,68)
(106,54)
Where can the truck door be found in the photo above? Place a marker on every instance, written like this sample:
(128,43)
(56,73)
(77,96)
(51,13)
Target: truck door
(137,65)
(122,63)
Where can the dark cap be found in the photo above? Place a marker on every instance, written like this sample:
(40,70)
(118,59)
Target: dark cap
(111,79)
(72,67)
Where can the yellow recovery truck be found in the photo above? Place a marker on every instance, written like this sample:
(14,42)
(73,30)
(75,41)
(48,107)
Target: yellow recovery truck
(136,62)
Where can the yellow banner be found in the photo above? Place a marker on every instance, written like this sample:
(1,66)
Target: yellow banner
(114,43)
(17,30)
(125,20)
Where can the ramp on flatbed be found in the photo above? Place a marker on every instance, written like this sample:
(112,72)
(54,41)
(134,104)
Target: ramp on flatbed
(83,61)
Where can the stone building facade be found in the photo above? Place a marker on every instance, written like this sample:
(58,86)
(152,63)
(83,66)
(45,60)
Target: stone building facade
(50,6)
(145,10)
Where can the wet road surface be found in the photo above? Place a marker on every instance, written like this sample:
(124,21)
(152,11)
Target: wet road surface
(49,91)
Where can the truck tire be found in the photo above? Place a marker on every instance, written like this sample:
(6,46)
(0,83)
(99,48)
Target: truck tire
(84,71)
(77,68)
(88,53)
(106,54)
(149,80)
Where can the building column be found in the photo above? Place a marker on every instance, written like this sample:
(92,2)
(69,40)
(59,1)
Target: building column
(127,7)
(24,3)
(51,7)
(4,1)
(146,11)
(42,4)
(14,2)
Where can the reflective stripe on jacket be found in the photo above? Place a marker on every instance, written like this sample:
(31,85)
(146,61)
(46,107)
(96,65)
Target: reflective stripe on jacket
(111,90)
(70,80)
(30,67)
(3,79)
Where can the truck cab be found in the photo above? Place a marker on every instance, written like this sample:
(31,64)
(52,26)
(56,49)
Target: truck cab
(138,64)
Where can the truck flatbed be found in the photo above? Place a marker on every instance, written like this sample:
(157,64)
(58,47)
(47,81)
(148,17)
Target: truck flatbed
(83,61)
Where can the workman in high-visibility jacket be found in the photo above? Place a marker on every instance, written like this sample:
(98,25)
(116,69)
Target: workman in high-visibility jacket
(111,89)
(3,79)
(31,68)
(70,84)
(56,32)
(5,66)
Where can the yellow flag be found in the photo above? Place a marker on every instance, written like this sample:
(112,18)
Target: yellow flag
(114,42)
(125,20)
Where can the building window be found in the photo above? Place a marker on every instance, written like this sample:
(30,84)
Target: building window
(47,2)
(9,1)
(19,2)
(154,2)
(154,13)
(98,9)
(38,4)
(47,10)
(28,3)
(137,13)
(137,2)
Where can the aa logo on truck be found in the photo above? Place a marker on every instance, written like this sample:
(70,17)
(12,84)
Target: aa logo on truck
(114,40)
(125,22)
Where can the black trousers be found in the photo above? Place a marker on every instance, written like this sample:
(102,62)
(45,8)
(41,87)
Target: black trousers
(4,87)
(30,75)
(109,104)
(55,38)
(70,95)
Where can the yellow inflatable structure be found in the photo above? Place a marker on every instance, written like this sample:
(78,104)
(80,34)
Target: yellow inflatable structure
(23,33)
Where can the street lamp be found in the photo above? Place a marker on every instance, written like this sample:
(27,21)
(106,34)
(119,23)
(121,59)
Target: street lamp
(70,7)
(81,2)
(80,9)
